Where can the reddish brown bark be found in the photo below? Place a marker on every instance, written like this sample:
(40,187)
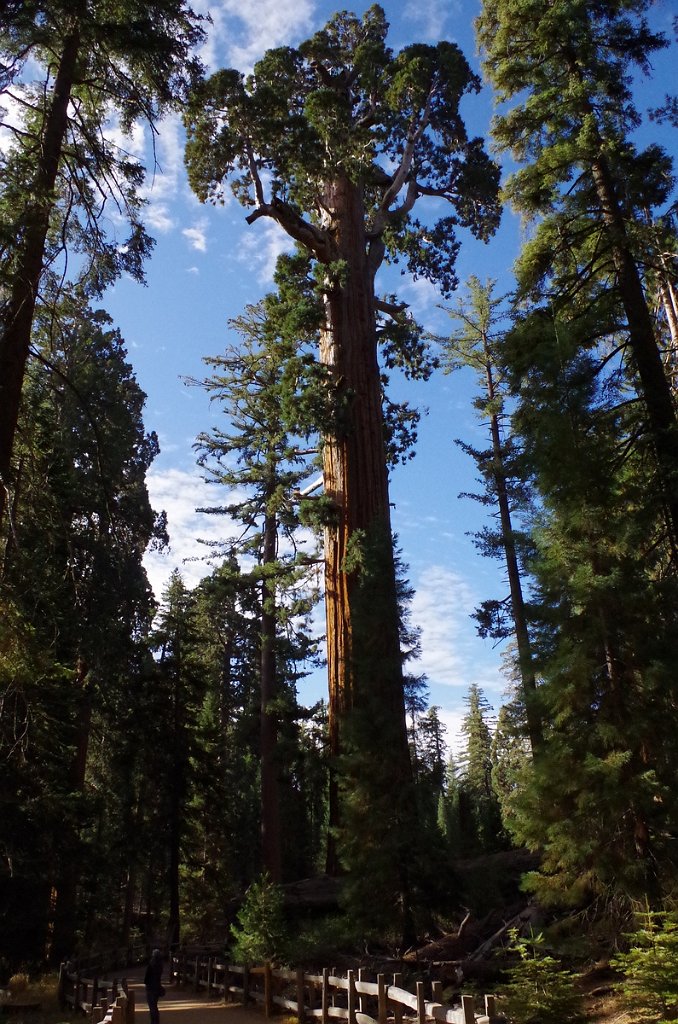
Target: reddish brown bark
(363,647)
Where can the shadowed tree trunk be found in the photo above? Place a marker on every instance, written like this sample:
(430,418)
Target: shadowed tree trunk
(18,313)
(270,790)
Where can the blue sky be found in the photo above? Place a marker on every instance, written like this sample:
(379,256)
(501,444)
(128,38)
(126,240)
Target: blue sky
(208,264)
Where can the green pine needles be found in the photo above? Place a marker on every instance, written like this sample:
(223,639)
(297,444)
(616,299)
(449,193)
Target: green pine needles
(539,990)
(260,936)
(650,968)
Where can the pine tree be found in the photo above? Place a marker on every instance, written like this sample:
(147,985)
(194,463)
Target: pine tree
(599,807)
(73,577)
(472,344)
(569,68)
(475,776)
(252,385)
(172,731)
(92,61)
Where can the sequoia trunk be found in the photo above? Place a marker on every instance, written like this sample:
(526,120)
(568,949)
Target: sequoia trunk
(363,648)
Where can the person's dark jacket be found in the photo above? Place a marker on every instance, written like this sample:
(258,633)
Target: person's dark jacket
(153,977)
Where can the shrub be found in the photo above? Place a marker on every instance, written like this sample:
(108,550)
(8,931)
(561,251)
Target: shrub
(18,983)
(650,969)
(539,990)
(261,936)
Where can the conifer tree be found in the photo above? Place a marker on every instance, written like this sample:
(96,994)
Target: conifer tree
(568,66)
(73,577)
(252,385)
(224,850)
(336,141)
(472,344)
(172,727)
(599,808)
(92,61)
(475,775)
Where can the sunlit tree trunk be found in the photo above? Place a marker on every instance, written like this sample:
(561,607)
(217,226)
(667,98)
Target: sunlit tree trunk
(363,647)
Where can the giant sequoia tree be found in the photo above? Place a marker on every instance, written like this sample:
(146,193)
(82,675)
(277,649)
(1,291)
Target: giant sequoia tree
(94,62)
(336,141)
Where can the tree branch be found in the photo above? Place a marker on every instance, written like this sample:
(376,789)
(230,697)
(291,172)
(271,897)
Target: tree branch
(311,236)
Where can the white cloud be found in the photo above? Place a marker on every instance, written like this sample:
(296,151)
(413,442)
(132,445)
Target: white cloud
(441,608)
(196,236)
(260,248)
(430,17)
(12,113)
(241,32)
(158,218)
(179,493)
(166,177)
(132,143)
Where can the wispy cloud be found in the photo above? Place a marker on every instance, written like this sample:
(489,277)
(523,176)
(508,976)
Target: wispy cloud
(260,249)
(430,17)
(441,608)
(166,177)
(179,493)
(197,235)
(241,32)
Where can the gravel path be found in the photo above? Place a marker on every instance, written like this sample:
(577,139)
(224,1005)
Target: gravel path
(183,1006)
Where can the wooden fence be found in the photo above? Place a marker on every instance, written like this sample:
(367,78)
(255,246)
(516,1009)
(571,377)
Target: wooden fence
(327,996)
(100,1000)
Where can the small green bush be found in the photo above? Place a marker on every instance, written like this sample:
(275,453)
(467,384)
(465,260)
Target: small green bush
(650,969)
(261,936)
(539,991)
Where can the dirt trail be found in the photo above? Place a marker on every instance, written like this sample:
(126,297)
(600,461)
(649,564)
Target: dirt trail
(183,1006)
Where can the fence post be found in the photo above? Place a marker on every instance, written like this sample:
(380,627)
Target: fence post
(122,1003)
(104,1008)
(61,987)
(468,1006)
(437,991)
(421,1003)
(398,1007)
(350,975)
(301,1009)
(245,985)
(131,1006)
(325,997)
(210,973)
(118,1015)
(382,1010)
(361,977)
(268,990)
(196,979)
(490,1006)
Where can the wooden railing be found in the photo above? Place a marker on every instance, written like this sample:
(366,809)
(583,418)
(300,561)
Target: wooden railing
(99,999)
(327,995)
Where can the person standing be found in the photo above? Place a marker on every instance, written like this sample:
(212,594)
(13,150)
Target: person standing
(153,983)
